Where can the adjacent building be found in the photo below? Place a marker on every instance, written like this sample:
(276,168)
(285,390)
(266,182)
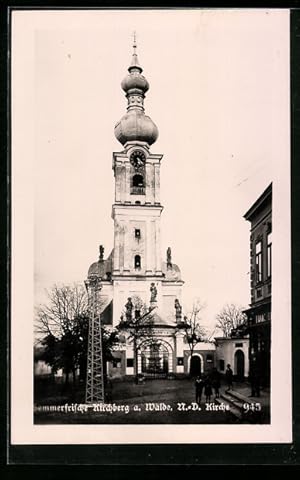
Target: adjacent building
(259,313)
(233,351)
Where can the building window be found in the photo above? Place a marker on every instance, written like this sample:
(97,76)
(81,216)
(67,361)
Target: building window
(269,255)
(222,365)
(137,233)
(258,262)
(238,345)
(116,363)
(137,261)
(129,362)
(259,318)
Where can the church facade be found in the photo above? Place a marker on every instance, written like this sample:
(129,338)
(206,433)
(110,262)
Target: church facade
(139,287)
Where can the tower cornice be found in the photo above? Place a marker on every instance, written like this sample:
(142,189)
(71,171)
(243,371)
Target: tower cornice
(144,209)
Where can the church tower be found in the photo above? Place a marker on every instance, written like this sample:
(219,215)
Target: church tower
(134,272)
(136,211)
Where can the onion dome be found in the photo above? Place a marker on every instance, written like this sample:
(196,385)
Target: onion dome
(135,125)
(134,79)
(97,269)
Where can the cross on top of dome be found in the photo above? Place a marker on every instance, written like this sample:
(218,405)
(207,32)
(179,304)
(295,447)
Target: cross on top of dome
(134,62)
(134,40)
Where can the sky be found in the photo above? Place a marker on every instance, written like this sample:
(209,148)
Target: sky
(218,94)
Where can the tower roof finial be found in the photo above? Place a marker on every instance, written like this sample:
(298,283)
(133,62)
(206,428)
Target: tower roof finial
(134,42)
(135,62)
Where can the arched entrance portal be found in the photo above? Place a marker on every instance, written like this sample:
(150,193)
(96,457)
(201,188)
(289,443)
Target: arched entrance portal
(155,359)
(239,363)
(195,365)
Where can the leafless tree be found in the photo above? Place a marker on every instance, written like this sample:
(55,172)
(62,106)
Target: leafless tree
(192,328)
(65,304)
(230,317)
(61,327)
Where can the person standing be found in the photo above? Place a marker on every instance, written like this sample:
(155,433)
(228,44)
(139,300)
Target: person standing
(255,380)
(199,384)
(229,377)
(208,389)
(216,382)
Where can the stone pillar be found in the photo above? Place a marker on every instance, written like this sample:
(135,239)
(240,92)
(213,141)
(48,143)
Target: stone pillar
(117,248)
(127,183)
(148,249)
(139,365)
(157,183)
(125,245)
(118,182)
(157,246)
(148,182)
(171,360)
(123,183)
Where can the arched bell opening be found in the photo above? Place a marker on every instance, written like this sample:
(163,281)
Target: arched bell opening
(138,184)
(137,262)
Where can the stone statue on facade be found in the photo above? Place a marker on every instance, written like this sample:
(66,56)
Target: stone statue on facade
(153,291)
(101,253)
(129,307)
(169,258)
(178,309)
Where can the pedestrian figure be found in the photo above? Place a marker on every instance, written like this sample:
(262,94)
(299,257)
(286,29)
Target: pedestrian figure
(255,381)
(229,377)
(199,384)
(207,389)
(108,389)
(216,382)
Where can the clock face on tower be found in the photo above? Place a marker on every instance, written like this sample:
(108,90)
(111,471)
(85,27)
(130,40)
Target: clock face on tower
(138,159)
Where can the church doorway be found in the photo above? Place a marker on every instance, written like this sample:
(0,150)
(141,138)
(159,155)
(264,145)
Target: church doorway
(195,366)
(239,361)
(155,360)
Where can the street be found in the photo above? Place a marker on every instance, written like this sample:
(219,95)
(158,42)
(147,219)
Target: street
(154,402)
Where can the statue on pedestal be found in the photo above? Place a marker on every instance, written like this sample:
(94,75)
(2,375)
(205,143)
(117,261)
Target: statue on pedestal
(101,253)
(129,307)
(169,258)
(178,309)
(153,291)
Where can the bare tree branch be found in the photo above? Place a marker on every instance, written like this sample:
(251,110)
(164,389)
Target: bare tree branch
(59,315)
(230,318)
(191,326)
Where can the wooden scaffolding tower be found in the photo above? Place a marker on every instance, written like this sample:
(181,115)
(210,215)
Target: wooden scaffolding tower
(94,377)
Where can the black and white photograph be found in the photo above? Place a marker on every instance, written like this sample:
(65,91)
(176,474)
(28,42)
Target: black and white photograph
(151,226)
